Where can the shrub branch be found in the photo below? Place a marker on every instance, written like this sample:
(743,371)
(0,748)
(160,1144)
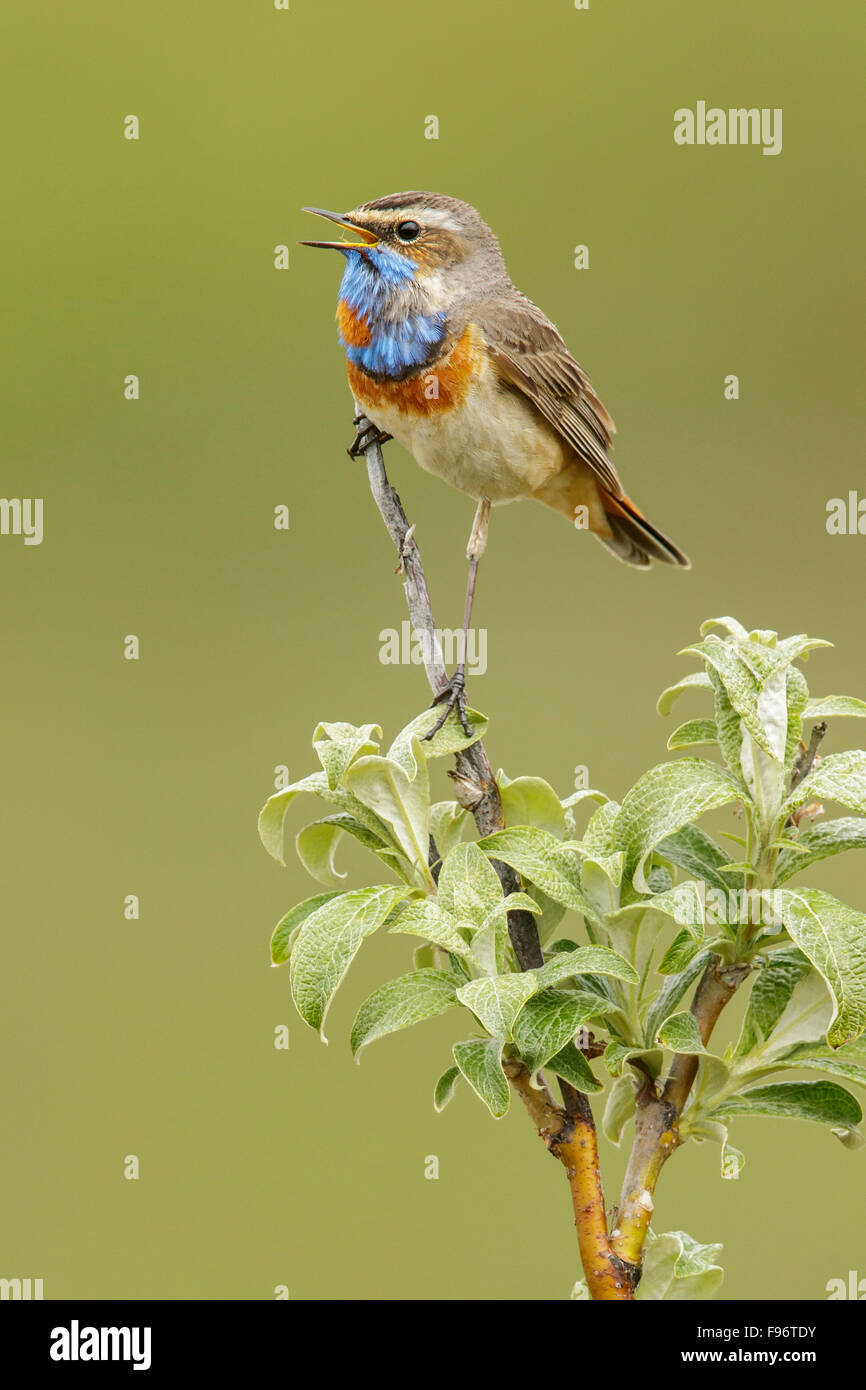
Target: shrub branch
(567,1130)
(658,1112)
(569,1133)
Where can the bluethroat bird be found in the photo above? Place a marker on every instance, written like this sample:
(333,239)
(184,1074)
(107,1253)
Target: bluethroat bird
(445,355)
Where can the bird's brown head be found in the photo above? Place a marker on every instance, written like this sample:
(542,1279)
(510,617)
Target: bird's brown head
(413,263)
(428,234)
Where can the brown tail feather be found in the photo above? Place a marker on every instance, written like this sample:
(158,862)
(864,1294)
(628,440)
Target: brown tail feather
(616,521)
(634,539)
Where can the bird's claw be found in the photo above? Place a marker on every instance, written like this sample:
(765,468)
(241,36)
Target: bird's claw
(453,697)
(366,434)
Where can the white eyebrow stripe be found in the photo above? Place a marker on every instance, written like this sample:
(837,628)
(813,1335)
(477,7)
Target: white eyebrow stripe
(437,217)
(431,217)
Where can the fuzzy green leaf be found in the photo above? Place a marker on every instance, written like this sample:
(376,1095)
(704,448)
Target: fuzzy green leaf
(402,1002)
(598,835)
(585,794)
(409,746)
(539,857)
(328,942)
(601,880)
(597,960)
(797,692)
(273,814)
(469,887)
(811,1058)
(793,648)
(550,916)
(839,777)
(497,1001)
(338,745)
(693,733)
(835,706)
(287,928)
(445,1088)
(272,820)
(729,726)
(732,1160)
(617,1054)
(609,866)
(316,845)
(833,936)
(823,840)
(732,626)
(447,820)
(664,800)
(821,1101)
(671,993)
(619,1109)
(762,761)
(769,997)
(480,1061)
(680,1033)
(683,904)
(403,803)
(572,1066)
(713,1077)
(678,1268)
(804,1019)
(426,918)
(697,680)
(695,851)
(548,1021)
(681,951)
(742,685)
(532,801)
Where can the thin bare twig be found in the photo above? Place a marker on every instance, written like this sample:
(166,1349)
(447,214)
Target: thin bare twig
(475,784)
(806,757)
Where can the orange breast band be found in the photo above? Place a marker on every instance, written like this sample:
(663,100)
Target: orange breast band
(440,386)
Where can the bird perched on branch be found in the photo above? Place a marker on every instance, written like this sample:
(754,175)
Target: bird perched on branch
(444,354)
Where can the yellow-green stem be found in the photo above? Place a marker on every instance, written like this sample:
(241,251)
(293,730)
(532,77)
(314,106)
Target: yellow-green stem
(569,1134)
(657,1115)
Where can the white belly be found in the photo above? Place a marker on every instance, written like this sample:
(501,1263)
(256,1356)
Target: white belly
(492,445)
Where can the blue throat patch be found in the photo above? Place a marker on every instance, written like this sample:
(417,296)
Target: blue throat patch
(373,285)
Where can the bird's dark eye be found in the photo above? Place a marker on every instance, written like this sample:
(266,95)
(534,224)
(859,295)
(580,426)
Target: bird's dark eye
(408,231)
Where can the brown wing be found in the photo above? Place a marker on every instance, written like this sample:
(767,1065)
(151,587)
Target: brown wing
(531,355)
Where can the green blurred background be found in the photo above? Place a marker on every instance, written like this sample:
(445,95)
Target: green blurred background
(155,1037)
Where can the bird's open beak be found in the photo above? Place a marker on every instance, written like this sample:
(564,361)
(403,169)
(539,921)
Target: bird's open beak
(368,238)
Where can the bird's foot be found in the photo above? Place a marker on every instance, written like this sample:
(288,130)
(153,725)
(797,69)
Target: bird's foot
(452,697)
(366,434)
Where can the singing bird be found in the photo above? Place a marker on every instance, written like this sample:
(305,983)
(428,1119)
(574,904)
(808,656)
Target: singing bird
(447,356)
